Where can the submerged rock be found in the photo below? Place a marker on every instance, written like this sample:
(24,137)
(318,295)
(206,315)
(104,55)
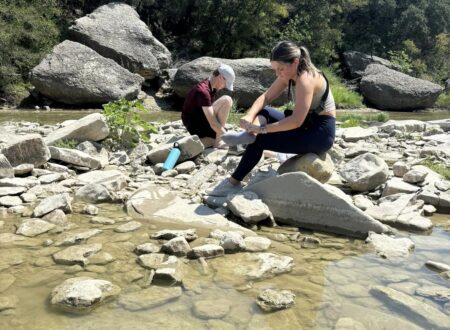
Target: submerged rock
(271,300)
(149,298)
(388,247)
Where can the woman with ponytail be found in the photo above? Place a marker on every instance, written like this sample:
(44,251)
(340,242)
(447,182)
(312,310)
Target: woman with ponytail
(308,128)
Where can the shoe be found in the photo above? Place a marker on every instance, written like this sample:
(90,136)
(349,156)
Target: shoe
(223,188)
(236,150)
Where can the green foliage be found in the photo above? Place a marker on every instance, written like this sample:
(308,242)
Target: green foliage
(401,58)
(438,168)
(66,143)
(353,120)
(443,101)
(125,123)
(343,96)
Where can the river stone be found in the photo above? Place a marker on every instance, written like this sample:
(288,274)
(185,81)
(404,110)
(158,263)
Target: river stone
(400,169)
(94,193)
(177,246)
(61,201)
(397,185)
(190,147)
(269,265)
(6,280)
(115,31)
(248,206)
(392,90)
(406,126)
(149,298)
(424,314)
(8,302)
(81,294)
(147,248)
(54,177)
(232,242)
(63,76)
(206,251)
(20,149)
(92,127)
(362,202)
(129,226)
(414,176)
(56,217)
(257,244)
(185,167)
(365,172)
(7,238)
(167,276)
(90,209)
(435,292)
(347,323)
(34,227)
(151,260)
(76,255)
(23,169)
(320,167)
(5,191)
(102,221)
(9,201)
(271,300)
(74,157)
(438,266)
(302,201)
(189,234)
(6,170)
(354,134)
(212,309)
(204,174)
(388,247)
(253,77)
(71,238)
(95,150)
(10,259)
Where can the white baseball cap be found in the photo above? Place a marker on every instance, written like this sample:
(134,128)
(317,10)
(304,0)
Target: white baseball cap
(228,73)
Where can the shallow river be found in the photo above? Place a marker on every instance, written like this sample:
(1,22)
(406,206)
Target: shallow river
(331,281)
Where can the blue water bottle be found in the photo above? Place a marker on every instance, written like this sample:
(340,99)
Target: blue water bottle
(172,158)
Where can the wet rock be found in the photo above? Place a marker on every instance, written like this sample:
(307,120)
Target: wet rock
(6,280)
(206,251)
(167,276)
(101,258)
(212,309)
(8,302)
(34,227)
(94,193)
(151,260)
(129,226)
(365,172)
(90,209)
(42,277)
(320,167)
(10,259)
(177,246)
(299,200)
(102,221)
(257,244)
(425,314)
(232,242)
(388,247)
(9,201)
(147,248)
(56,217)
(270,265)
(149,298)
(189,234)
(54,177)
(71,238)
(248,206)
(76,254)
(438,266)
(309,242)
(61,201)
(347,323)
(8,238)
(438,293)
(271,300)
(112,180)
(81,294)
(400,169)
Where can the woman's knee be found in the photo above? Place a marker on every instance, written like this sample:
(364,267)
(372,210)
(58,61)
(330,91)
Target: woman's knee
(225,100)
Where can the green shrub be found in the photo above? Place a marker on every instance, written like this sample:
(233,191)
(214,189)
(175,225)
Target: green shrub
(443,101)
(125,123)
(438,168)
(343,96)
(352,120)
(67,144)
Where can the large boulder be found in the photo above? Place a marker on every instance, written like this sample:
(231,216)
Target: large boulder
(299,200)
(21,149)
(392,90)
(357,63)
(115,31)
(320,167)
(253,77)
(75,74)
(92,127)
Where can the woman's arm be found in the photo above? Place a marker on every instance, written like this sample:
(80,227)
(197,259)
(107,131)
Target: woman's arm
(304,91)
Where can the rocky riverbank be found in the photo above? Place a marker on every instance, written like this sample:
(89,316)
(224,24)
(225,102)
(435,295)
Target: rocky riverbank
(371,185)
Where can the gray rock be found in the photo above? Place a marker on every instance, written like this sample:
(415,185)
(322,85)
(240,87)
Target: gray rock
(95,149)
(185,167)
(94,193)
(204,174)
(438,266)
(115,31)
(151,260)
(365,172)
(9,191)
(56,217)
(353,134)
(212,309)
(167,276)
(129,226)
(90,209)
(392,90)
(253,77)
(362,202)
(248,206)
(61,201)
(400,169)
(299,200)
(6,170)
(71,238)
(147,248)
(74,157)
(397,185)
(270,265)
(149,298)
(189,234)
(232,242)
(414,176)
(63,76)
(424,314)
(257,244)
(320,167)
(76,255)
(388,247)
(19,182)
(34,227)
(20,149)
(54,177)
(437,293)
(9,201)
(357,62)
(81,294)
(271,300)
(177,246)
(206,251)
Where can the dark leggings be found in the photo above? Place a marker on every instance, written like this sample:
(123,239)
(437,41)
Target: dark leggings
(316,135)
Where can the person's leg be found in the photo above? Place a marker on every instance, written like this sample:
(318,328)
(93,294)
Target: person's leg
(318,138)
(222,107)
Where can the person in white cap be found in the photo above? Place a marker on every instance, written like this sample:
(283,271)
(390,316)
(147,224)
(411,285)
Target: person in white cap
(202,114)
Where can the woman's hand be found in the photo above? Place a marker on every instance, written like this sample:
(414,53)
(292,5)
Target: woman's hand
(253,129)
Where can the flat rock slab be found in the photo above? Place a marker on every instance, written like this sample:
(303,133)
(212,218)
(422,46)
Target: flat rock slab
(299,200)
(388,247)
(113,180)
(34,227)
(212,309)
(81,294)
(71,238)
(47,205)
(425,314)
(189,234)
(20,149)
(206,251)
(271,300)
(76,255)
(149,298)
(5,191)
(129,226)
(74,157)
(269,265)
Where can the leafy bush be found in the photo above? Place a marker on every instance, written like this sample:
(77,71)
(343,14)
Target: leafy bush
(66,143)
(443,101)
(353,120)
(438,168)
(343,96)
(126,126)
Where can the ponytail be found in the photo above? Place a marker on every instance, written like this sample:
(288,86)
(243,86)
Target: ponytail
(287,52)
(305,63)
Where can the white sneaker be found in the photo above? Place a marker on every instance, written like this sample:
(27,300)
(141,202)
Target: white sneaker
(223,188)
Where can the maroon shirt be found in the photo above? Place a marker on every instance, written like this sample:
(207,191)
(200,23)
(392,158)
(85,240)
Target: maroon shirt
(201,95)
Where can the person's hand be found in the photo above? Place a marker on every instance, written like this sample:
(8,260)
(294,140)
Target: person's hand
(253,129)
(245,122)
